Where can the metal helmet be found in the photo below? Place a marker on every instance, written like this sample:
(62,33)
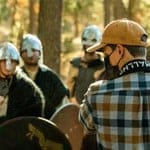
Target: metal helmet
(9,52)
(91,35)
(30,42)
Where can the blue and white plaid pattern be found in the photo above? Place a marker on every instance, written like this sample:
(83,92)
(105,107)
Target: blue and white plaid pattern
(119,110)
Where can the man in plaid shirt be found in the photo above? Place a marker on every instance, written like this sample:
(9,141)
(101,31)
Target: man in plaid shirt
(118,110)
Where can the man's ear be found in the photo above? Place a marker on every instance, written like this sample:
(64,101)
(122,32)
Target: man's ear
(120,49)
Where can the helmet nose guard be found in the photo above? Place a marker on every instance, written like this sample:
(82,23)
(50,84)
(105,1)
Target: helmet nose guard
(30,42)
(9,51)
(91,35)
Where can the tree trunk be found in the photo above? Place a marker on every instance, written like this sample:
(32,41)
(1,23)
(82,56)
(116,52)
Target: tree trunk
(119,9)
(108,15)
(50,32)
(132,8)
(114,9)
(33,17)
(76,23)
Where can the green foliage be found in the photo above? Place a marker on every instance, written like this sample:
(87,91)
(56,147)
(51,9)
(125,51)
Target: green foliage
(78,10)
(68,45)
(4,11)
(81,13)
(145,7)
(75,13)
(73,6)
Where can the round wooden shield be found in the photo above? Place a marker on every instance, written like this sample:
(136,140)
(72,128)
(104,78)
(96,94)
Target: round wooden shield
(32,133)
(66,118)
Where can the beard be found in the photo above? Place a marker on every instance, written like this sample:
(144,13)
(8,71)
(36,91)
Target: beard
(32,63)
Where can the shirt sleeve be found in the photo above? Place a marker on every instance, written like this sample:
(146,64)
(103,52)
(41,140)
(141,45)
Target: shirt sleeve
(85,117)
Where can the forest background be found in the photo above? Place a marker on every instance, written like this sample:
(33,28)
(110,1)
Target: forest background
(59,23)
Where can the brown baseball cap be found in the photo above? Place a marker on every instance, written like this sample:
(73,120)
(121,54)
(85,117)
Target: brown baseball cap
(122,31)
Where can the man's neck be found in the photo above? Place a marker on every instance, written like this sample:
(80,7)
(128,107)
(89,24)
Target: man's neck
(33,68)
(87,57)
(130,58)
(136,65)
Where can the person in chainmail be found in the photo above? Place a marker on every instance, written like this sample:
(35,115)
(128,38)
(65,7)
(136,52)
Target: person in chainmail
(86,68)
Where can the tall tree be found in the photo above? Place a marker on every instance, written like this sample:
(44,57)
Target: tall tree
(33,16)
(79,10)
(49,32)
(114,9)
(108,5)
(119,9)
(3,10)
(133,8)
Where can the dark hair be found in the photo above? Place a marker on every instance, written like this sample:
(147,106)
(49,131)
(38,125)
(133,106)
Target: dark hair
(113,46)
(136,50)
(148,53)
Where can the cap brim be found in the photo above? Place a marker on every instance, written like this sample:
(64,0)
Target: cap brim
(96,47)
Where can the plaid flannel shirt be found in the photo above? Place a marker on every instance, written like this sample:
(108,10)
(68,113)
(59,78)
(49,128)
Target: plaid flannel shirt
(119,112)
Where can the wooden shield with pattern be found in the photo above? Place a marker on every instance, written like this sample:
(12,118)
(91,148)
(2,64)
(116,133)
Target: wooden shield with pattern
(32,133)
(66,118)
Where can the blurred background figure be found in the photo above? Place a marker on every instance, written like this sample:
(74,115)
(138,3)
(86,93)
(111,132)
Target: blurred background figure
(86,68)
(48,81)
(19,96)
